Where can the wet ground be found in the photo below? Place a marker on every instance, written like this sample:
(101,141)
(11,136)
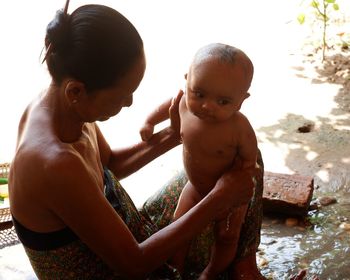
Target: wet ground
(320,243)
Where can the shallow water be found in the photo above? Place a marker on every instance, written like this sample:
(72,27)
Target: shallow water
(320,244)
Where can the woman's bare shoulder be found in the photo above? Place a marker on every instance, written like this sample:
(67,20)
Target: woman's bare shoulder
(41,158)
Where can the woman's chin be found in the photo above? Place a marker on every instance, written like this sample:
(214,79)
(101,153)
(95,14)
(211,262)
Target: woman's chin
(103,119)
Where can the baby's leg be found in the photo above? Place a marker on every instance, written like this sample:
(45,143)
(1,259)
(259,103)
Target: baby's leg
(227,233)
(189,197)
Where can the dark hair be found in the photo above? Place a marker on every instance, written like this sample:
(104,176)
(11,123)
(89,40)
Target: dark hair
(95,45)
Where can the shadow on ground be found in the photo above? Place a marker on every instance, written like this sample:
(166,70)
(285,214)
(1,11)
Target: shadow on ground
(319,147)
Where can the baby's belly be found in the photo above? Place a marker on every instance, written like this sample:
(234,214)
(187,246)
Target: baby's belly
(203,172)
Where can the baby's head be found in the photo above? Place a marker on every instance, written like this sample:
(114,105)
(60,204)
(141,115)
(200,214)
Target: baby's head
(218,81)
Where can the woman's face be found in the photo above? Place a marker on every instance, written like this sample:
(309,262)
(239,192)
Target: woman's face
(103,104)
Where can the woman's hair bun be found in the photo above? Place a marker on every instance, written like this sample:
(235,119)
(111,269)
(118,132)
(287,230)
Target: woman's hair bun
(57,32)
(95,45)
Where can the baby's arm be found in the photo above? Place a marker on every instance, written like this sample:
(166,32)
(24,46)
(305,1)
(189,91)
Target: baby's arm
(157,116)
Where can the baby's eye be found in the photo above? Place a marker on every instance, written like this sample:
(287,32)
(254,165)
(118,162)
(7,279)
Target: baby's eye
(223,101)
(198,94)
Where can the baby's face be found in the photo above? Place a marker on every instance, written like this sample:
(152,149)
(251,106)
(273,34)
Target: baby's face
(215,90)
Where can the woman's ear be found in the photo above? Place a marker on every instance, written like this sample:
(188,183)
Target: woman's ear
(74,91)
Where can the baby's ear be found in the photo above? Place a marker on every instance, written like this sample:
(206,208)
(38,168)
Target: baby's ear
(244,97)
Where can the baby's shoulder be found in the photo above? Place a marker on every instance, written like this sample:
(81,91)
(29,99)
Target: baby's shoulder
(240,120)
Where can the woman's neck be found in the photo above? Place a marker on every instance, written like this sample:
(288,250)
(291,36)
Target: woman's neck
(66,123)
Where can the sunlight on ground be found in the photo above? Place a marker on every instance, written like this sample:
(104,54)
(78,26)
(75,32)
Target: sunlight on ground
(172,32)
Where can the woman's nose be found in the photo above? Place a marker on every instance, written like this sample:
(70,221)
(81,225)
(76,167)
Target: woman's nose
(128,101)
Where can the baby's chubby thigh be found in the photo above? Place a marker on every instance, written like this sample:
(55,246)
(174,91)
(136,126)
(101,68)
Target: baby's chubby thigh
(189,197)
(228,225)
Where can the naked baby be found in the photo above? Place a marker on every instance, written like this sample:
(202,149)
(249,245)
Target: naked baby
(216,138)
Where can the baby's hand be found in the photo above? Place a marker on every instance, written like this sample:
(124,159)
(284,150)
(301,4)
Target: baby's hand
(146,131)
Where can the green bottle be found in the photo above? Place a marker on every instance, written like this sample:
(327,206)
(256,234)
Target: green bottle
(3,181)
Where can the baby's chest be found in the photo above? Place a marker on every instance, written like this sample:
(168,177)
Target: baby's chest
(209,141)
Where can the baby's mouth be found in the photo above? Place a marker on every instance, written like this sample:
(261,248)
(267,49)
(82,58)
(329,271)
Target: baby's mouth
(205,116)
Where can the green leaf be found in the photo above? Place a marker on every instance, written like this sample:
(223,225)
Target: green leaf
(314,4)
(335,6)
(330,1)
(301,18)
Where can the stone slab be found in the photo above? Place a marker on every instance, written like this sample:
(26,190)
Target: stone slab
(287,194)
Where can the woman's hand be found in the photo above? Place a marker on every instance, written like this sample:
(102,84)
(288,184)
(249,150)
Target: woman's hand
(174,115)
(301,275)
(235,188)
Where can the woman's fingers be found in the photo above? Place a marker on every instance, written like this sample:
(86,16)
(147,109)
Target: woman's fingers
(238,187)
(299,276)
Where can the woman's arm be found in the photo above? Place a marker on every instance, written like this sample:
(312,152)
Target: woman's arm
(247,145)
(125,161)
(76,198)
(233,189)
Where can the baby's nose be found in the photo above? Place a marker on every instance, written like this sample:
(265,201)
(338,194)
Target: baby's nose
(208,106)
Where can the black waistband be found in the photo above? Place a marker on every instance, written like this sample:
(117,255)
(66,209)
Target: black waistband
(44,241)
(55,239)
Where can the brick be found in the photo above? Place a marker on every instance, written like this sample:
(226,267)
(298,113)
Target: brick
(287,194)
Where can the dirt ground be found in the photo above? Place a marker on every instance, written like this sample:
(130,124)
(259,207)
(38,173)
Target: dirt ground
(317,146)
